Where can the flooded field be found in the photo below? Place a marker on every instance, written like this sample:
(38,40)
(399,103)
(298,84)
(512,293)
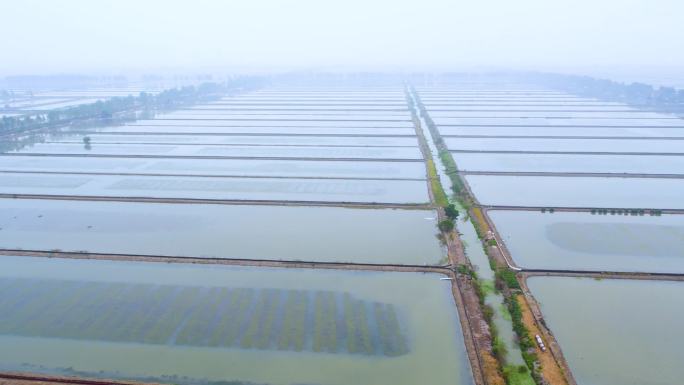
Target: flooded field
(550,114)
(290,102)
(39,98)
(441,111)
(263,130)
(132,150)
(560,122)
(612,332)
(391,236)
(281,123)
(65,104)
(261,140)
(237,156)
(526,129)
(136,320)
(582,241)
(558,191)
(286,117)
(30,102)
(307,108)
(474,101)
(271,189)
(617,164)
(615,332)
(563,145)
(276,165)
(290,113)
(217,167)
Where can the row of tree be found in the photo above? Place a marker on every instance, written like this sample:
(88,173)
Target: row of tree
(631,93)
(120,109)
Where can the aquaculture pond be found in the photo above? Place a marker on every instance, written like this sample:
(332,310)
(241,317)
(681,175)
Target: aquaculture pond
(65,104)
(265,122)
(498,103)
(274,107)
(582,241)
(566,144)
(317,97)
(133,150)
(574,163)
(580,131)
(393,236)
(201,111)
(285,102)
(281,140)
(218,188)
(559,122)
(517,108)
(189,324)
(216,167)
(484,98)
(616,332)
(285,117)
(558,113)
(600,192)
(193,129)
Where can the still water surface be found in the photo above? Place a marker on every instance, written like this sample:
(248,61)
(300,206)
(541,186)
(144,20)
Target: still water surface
(565,144)
(271,189)
(582,241)
(570,163)
(434,350)
(577,191)
(616,332)
(225,231)
(217,167)
(132,150)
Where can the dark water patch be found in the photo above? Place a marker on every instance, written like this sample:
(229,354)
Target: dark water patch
(263,319)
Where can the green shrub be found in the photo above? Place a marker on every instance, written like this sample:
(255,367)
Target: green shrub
(499,349)
(446,225)
(451,211)
(508,277)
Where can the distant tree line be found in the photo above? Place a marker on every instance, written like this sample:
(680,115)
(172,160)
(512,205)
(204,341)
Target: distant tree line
(119,109)
(630,93)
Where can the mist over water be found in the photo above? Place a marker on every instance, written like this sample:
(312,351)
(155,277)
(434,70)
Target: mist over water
(288,192)
(627,38)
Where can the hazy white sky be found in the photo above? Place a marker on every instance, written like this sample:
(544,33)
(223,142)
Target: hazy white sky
(52,36)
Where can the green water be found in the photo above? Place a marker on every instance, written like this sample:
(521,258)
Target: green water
(296,152)
(582,241)
(182,315)
(570,163)
(244,140)
(557,191)
(155,310)
(216,167)
(616,332)
(327,234)
(480,260)
(218,188)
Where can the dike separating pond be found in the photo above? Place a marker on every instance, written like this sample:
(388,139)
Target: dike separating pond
(498,290)
(477,337)
(482,301)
